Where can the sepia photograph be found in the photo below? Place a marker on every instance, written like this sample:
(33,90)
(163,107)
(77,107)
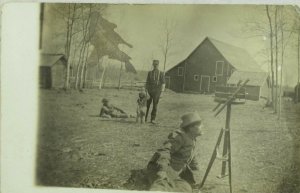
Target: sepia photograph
(201,98)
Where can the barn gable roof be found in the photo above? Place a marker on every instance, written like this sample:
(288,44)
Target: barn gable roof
(255,78)
(236,56)
(50,59)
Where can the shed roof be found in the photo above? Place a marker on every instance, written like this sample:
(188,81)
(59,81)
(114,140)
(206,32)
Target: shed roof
(255,78)
(50,59)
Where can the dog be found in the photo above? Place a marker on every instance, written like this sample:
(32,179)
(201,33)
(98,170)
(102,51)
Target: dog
(141,107)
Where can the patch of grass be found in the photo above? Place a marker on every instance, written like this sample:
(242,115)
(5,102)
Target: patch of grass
(78,149)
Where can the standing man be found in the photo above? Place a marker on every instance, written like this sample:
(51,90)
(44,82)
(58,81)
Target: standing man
(155,84)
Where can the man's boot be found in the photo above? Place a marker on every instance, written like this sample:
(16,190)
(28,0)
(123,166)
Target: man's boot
(153,121)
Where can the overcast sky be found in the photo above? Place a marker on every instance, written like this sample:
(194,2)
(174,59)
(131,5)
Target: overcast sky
(142,26)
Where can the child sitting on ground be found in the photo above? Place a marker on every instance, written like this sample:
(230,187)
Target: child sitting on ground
(109,111)
(141,107)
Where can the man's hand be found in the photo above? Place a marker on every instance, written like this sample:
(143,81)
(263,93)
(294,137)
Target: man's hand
(162,175)
(161,95)
(197,176)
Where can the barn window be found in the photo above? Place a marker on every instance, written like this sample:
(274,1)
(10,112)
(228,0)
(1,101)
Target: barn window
(180,71)
(219,68)
(214,79)
(196,77)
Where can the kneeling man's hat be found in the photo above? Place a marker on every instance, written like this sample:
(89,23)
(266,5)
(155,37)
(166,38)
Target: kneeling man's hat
(189,119)
(105,100)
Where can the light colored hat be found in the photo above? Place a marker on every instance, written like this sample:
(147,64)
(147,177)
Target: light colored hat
(155,62)
(189,119)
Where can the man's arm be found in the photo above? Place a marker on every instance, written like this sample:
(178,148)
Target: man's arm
(118,109)
(105,110)
(171,146)
(194,164)
(147,81)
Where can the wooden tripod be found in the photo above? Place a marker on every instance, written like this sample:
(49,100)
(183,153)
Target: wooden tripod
(226,156)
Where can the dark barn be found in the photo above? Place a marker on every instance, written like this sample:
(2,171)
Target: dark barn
(258,86)
(209,65)
(52,70)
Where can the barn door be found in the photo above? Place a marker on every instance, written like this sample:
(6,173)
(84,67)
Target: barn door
(204,84)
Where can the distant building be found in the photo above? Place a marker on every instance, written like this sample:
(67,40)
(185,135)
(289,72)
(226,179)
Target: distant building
(52,70)
(211,64)
(257,87)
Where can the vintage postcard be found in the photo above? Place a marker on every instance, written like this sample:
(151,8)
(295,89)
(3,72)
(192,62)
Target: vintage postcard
(167,97)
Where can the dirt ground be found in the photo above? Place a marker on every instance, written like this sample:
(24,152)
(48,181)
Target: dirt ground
(78,149)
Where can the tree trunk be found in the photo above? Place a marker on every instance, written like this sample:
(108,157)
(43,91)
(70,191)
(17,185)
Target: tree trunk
(165,61)
(84,62)
(70,24)
(282,55)
(78,66)
(77,76)
(297,88)
(271,54)
(102,76)
(119,85)
(276,59)
(166,53)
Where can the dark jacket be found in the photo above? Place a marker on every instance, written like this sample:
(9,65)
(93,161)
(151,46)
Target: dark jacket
(155,80)
(178,153)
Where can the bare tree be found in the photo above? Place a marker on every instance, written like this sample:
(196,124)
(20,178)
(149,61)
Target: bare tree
(84,51)
(104,66)
(68,13)
(284,26)
(271,52)
(297,9)
(276,57)
(167,40)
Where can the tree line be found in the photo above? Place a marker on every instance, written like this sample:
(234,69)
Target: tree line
(280,27)
(87,38)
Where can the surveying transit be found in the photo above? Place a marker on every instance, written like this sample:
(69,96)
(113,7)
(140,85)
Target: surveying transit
(225,96)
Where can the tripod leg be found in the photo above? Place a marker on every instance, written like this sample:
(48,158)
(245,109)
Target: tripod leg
(226,139)
(212,159)
(229,161)
(225,150)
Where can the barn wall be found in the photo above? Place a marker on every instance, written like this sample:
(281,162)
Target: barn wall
(203,62)
(252,93)
(176,82)
(58,74)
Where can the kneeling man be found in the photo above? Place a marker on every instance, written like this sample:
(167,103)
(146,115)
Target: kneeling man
(172,167)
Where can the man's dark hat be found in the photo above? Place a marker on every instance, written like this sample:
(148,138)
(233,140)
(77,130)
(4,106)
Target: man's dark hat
(155,62)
